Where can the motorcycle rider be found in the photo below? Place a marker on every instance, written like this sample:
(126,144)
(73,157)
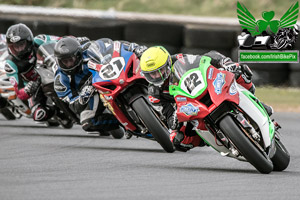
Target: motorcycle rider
(20,68)
(73,82)
(157,66)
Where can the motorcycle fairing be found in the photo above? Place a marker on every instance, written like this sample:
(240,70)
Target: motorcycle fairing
(194,94)
(111,88)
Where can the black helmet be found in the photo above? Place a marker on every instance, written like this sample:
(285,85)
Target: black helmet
(19,40)
(68,53)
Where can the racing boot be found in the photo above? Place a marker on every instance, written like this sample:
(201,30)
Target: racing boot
(183,142)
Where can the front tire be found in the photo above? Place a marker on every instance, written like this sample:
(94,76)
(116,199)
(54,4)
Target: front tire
(159,132)
(281,159)
(245,146)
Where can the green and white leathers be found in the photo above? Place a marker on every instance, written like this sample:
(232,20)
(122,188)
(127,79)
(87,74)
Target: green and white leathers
(227,116)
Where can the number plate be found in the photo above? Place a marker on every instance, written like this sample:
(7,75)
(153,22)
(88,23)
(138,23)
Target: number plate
(193,83)
(113,69)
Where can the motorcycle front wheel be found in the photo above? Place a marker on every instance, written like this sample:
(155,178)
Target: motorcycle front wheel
(153,124)
(245,146)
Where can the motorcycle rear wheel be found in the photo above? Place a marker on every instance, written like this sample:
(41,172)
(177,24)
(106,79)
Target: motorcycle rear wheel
(117,133)
(281,159)
(159,132)
(245,146)
(68,124)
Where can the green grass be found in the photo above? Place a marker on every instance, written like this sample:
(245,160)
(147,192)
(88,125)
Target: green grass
(281,99)
(217,8)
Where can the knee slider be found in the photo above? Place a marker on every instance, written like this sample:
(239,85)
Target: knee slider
(41,113)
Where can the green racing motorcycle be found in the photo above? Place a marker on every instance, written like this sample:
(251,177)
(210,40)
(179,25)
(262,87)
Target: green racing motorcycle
(226,116)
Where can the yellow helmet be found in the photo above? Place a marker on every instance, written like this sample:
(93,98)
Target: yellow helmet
(156,65)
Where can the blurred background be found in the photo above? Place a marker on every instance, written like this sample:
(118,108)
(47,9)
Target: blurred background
(214,8)
(187,26)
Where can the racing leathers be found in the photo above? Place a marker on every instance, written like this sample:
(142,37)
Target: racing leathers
(77,90)
(26,80)
(182,135)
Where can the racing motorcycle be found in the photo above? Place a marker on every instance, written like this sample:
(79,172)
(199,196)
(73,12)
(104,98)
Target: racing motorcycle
(11,107)
(123,90)
(228,117)
(46,67)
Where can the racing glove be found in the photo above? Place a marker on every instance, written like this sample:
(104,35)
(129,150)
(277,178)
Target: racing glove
(85,94)
(82,40)
(238,69)
(31,87)
(138,50)
(245,72)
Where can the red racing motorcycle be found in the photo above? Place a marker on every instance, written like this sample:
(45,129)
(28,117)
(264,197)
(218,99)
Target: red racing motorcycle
(123,90)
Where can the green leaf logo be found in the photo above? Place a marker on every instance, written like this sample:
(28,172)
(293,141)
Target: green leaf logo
(268,15)
(256,27)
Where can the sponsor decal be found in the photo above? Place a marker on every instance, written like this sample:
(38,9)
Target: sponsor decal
(189,109)
(181,99)
(15,39)
(191,58)
(58,85)
(117,46)
(92,65)
(219,83)
(9,69)
(39,114)
(233,89)
(180,58)
(210,73)
(153,99)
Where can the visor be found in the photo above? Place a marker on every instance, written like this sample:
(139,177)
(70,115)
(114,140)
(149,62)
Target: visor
(70,63)
(18,48)
(158,76)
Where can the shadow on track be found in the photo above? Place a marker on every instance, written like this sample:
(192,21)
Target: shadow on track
(76,146)
(120,149)
(59,135)
(222,170)
(28,126)
(208,169)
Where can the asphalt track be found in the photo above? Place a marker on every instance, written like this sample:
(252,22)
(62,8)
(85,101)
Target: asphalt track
(37,162)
